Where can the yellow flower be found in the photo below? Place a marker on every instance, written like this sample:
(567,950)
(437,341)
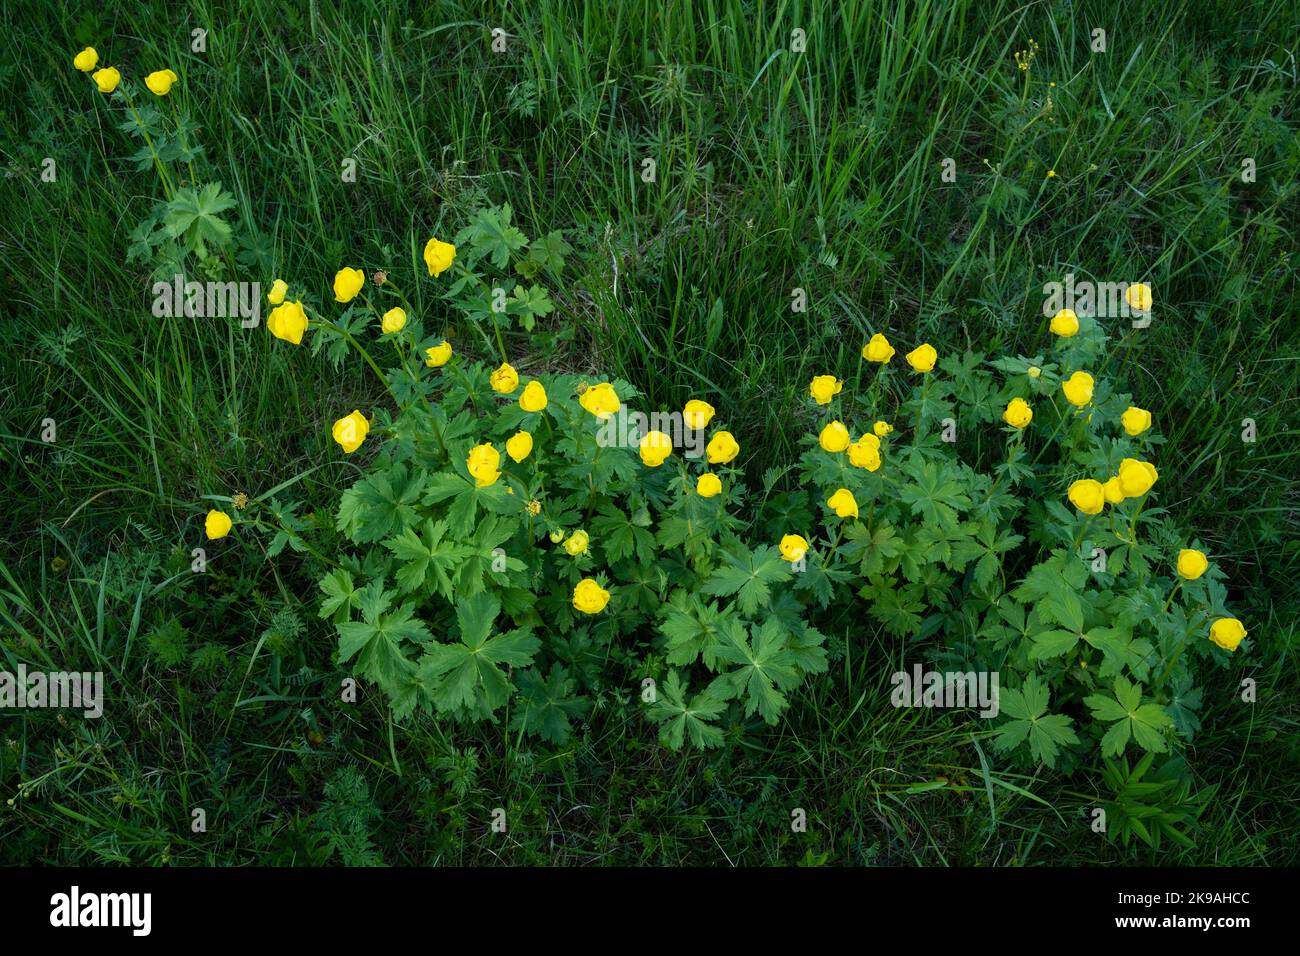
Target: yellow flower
(722,448)
(277,293)
(556,536)
(438,256)
(863,454)
(1065,323)
(484,464)
(697,414)
(881,429)
(1135,420)
(601,400)
(394,320)
(843,503)
(577,544)
(1078,389)
(1136,477)
(438,355)
(655,448)
(1033,371)
(1087,495)
(86,60)
(1018,414)
(793,547)
(347,283)
(287,321)
(878,350)
(1227,632)
(824,388)
(834,437)
(107,79)
(505,379)
(351,430)
(1138,296)
(589,597)
(534,507)
(533,397)
(922,358)
(1192,563)
(160,82)
(217,524)
(519,446)
(708,485)
(1112,491)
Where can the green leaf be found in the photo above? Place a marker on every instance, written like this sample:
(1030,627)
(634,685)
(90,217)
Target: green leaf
(682,720)
(1145,723)
(546,705)
(195,217)
(469,675)
(380,505)
(748,575)
(1027,708)
(762,670)
(426,563)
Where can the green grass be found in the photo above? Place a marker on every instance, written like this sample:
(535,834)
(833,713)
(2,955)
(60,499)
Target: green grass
(775,171)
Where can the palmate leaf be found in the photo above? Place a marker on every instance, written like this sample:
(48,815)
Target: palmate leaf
(546,705)
(681,720)
(427,560)
(490,234)
(376,642)
(1027,708)
(934,495)
(1144,723)
(620,535)
(748,575)
(469,675)
(695,629)
(195,217)
(380,505)
(762,671)
(341,595)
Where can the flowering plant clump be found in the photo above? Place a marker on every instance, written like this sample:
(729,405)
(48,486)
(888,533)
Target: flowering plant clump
(506,558)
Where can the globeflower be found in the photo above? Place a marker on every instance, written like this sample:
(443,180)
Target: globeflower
(533,397)
(923,357)
(160,82)
(1136,477)
(438,256)
(577,544)
(347,283)
(708,485)
(1018,414)
(1065,324)
(655,448)
(601,400)
(697,414)
(1191,563)
(863,454)
(519,446)
(351,430)
(505,379)
(843,504)
(1087,495)
(834,437)
(1135,420)
(394,320)
(589,597)
(1227,632)
(878,349)
(1112,491)
(86,60)
(438,355)
(277,293)
(722,448)
(107,79)
(1078,389)
(1138,296)
(484,464)
(287,321)
(217,525)
(881,429)
(793,547)
(824,388)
